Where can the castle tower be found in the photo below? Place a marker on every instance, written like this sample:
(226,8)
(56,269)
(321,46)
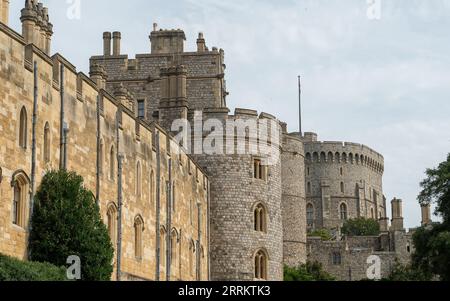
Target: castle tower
(426,214)
(293,200)
(173,104)
(36,26)
(4,11)
(397,215)
(167,41)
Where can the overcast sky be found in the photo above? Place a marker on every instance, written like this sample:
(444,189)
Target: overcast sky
(377,77)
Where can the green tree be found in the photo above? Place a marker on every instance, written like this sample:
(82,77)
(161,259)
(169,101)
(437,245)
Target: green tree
(66,221)
(324,234)
(311,271)
(432,242)
(407,273)
(361,227)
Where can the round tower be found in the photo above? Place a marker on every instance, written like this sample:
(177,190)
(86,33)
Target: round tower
(245,197)
(343,181)
(293,200)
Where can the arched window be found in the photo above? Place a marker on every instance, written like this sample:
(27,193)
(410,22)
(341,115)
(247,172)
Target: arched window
(20,186)
(323,157)
(174,251)
(330,157)
(261,265)
(260,224)
(23,128)
(100,157)
(162,248)
(337,157)
(152,187)
(344,157)
(343,212)
(310,214)
(138,180)
(192,257)
(138,229)
(308,157)
(47,143)
(112,163)
(112,223)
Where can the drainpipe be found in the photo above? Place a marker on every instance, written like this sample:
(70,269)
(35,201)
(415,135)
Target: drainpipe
(119,202)
(169,223)
(199,236)
(33,148)
(97,184)
(61,123)
(208,224)
(158,206)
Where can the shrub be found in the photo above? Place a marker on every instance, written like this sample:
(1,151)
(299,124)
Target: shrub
(322,233)
(311,271)
(66,221)
(12,269)
(361,227)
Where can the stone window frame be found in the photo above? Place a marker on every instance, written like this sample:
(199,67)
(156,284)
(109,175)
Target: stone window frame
(260,171)
(20,184)
(312,213)
(260,217)
(162,248)
(174,250)
(139,228)
(111,216)
(112,163)
(336,258)
(47,143)
(138,109)
(192,257)
(343,214)
(260,265)
(23,128)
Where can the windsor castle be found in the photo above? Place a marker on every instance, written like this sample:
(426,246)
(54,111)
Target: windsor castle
(184,215)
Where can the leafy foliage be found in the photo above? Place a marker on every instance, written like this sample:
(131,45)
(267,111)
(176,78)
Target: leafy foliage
(407,273)
(311,271)
(66,221)
(432,243)
(324,234)
(361,227)
(12,269)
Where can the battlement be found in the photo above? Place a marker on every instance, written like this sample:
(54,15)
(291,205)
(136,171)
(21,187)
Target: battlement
(36,26)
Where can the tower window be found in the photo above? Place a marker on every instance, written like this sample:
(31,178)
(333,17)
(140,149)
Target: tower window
(259,170)
(141,109)
(20,186)
(23,130)
(337,258)
(47,143)
(310,215)
(260,218)
(343,212)
(261,265)
(138,229)
(112,223)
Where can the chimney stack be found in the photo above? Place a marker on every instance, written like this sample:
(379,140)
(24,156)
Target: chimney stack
(116,43)
(426,214)
(201,45)
(106,43)
(4,11)
(397,215)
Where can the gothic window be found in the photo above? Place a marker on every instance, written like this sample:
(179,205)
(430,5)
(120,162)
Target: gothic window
(192,258)
(100,157)
(174,250)
(112,223)
(310,215)
(138,229)
(337,258)
(47,143)
(260,218)
(23,128)
(258,169)
(141,109)
(343,211)
(261,265)
(162,248)
(112,160)
(20,187)
(138,179)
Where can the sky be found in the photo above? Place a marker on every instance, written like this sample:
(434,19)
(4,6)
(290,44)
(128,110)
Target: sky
(375,72)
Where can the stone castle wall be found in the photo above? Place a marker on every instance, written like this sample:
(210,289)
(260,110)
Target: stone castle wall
(343,173)
(136,142)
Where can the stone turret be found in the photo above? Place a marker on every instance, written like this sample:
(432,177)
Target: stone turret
(98,75)
(173,104)
(397,215)
(4,11)
(36,26)
(201,44)
(167,41)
